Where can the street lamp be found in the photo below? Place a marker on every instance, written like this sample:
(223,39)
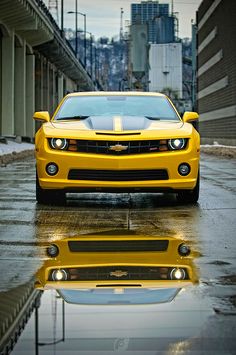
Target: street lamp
(91,51)
(76,30)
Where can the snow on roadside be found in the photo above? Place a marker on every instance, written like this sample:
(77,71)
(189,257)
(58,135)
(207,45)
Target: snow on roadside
(217,145)
(11,147)
(219,150)
(15,151)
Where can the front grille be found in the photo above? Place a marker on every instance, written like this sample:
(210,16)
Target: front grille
(106,273)
(117,175)
(127,147)
(118,246)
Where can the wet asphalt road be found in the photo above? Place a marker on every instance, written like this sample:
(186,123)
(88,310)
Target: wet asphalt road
(210,226)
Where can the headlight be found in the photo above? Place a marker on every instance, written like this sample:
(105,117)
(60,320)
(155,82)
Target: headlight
(58,143)
(177,143)
(59,275)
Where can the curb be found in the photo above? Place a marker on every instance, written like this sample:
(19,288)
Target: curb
(223,152)
(11,157)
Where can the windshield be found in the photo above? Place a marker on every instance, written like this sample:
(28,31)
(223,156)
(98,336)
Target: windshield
(153,107)
(108,296)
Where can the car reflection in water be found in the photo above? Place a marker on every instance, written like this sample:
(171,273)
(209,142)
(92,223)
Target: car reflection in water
(121,269)
(119,292)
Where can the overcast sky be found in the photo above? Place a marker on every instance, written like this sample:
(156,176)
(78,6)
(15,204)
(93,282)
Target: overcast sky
(103,16)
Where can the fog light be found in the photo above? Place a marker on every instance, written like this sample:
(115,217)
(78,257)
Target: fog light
(52,169)
(177,274)
(52,250)
(184,169)
(184,249)
(59,275)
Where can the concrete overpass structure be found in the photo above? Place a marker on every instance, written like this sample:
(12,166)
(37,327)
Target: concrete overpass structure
(37,66)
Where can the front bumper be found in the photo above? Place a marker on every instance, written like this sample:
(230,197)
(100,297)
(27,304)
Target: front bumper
(168,161)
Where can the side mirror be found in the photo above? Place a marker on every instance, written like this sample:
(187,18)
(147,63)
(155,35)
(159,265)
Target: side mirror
(42,116)
(190,117)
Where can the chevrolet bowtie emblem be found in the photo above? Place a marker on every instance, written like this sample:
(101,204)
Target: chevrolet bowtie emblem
(118,273)
(118,147)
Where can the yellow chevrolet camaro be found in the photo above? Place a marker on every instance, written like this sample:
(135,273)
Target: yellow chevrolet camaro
(116,142)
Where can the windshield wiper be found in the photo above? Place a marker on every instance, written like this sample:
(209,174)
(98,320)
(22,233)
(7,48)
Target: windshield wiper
(72,118)
(153,118)
(160,118)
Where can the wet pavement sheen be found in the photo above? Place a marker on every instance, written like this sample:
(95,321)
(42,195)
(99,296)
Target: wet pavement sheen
(200,319)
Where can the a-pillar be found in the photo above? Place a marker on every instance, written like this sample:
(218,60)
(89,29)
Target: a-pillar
(20,85)
(7,101)
(30,92)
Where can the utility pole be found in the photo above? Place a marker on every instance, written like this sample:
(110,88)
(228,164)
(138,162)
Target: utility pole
(121,24)
(76,27)
(62,16)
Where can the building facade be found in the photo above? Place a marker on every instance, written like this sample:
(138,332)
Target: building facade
(216,71)
(165,73)
(156,16)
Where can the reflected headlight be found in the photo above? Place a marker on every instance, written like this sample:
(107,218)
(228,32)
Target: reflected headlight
(177,143)
(58,143)
(59,275)
(177,274)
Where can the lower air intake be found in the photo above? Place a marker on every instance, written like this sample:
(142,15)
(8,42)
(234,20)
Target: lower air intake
(118,175)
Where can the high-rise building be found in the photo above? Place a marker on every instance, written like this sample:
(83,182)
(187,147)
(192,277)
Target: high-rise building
(156,16)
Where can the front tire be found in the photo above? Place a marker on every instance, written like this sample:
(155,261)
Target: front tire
(190,196)
(49,197)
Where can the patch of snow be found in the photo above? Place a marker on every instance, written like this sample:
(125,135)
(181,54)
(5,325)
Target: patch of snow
(11,147)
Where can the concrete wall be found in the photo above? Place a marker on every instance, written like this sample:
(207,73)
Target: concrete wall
(216,71)
(1,35)
(49,84)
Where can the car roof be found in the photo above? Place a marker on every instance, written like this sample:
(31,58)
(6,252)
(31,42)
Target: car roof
(117,93)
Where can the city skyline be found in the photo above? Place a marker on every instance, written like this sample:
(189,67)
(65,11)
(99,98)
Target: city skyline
(103,16)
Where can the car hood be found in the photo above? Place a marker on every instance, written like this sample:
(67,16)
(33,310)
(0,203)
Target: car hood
(107,123)
(97,125)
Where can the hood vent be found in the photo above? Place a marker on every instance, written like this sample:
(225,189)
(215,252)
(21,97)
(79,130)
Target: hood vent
(118,134)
